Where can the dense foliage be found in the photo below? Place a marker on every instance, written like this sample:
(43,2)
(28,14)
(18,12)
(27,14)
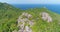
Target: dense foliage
(10,14)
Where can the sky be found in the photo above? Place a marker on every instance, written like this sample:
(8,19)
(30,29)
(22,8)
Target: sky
(31,1)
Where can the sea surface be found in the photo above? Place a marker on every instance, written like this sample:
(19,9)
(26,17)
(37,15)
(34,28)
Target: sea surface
(52,7)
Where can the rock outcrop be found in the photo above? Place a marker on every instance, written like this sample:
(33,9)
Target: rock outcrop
(24,24)
(46,17)
(26,15)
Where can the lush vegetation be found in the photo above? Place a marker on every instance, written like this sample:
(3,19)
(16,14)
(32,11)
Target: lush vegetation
(10,14)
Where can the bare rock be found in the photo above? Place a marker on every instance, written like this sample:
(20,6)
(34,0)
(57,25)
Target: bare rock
(22,21)
(26,15)
(31,22)
(27,29)
(46,16)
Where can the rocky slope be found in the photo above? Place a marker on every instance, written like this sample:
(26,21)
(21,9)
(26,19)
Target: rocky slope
(31,20)
(24,23)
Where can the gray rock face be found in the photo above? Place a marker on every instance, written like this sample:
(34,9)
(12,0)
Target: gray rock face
(46,16)
(24,24)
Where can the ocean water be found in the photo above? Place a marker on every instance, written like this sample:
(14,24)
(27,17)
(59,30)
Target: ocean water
(53,8)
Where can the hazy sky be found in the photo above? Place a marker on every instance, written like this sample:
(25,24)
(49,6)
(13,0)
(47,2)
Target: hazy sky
(32,1)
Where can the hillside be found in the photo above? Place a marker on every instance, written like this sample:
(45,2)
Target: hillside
(12,18)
